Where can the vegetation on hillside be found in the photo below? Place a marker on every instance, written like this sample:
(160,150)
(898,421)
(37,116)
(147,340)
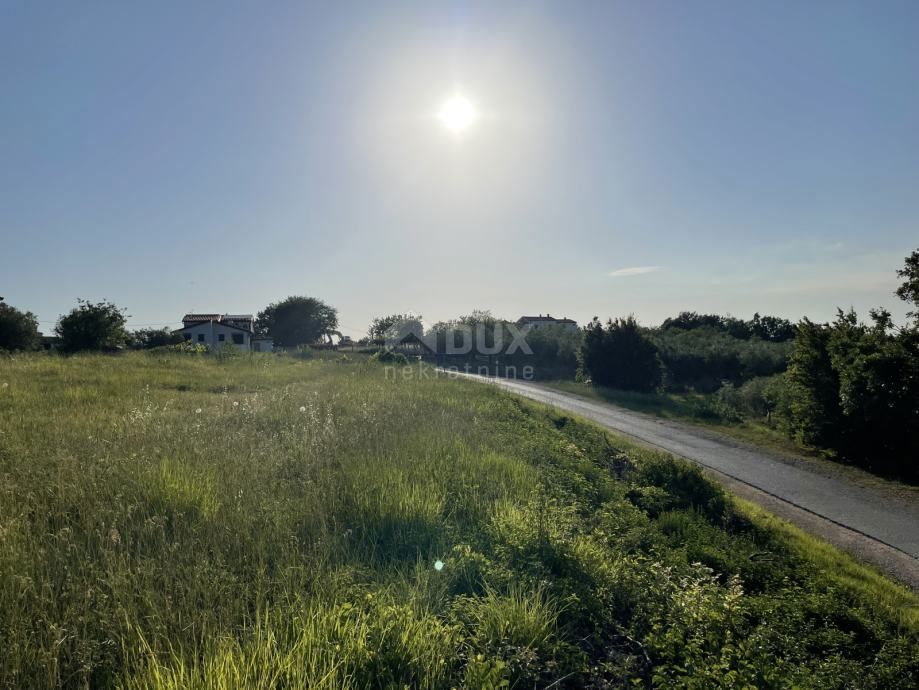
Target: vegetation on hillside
(189,521)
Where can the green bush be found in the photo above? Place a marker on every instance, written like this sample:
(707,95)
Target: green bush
(388,356)
(853,389)
(620,356)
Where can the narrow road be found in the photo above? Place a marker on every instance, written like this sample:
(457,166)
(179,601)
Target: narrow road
(876,525)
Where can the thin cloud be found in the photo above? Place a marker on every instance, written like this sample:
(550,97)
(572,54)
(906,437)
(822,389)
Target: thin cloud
(633,271)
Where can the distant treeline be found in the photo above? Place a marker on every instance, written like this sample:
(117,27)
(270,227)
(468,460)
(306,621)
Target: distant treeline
(771,328)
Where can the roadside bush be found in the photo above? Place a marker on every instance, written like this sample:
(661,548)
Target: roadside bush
(685,488)
(620,355)
(764,398)
(853,390)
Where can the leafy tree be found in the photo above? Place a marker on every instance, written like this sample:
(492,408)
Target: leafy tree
(554,351)
(816,417)
(297,321)
(909,290)
(92,326)
(878,371)
(18,329)
(771,328)
(395,326)
(688,320)
(479,321)
(620,356)
(146,338)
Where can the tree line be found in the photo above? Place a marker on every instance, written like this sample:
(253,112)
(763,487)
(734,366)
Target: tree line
(848,387)
(102,326)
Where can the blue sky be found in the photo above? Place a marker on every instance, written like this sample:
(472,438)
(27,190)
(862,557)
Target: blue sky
(643,157)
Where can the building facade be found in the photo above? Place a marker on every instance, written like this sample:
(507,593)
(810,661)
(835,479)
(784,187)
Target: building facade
(215,331)
(526,323)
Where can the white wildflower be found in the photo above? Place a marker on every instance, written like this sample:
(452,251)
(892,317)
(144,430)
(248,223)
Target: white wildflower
(302,408)
(198,411)
(438,565)
(235,403)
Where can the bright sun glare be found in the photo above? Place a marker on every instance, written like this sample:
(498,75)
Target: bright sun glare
(457,114)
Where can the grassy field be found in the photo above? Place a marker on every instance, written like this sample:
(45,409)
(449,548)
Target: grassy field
(180,521)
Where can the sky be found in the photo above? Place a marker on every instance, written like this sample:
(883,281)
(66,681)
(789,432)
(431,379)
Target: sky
(627,157)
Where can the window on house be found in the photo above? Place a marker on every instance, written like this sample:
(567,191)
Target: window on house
(221,337)
(237,338)
(201,337)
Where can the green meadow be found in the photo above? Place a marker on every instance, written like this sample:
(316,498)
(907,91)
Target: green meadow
(263,521)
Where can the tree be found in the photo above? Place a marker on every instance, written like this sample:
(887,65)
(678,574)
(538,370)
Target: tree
(297,321)
(878,370)
(816,417)
(18,329)
(478,329)
(146,338)
(620,356)
(909,290)
(395,326)
(92,326)
(772,328)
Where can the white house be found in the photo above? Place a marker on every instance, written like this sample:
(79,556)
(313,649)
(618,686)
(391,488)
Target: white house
(527,323)
(218,330)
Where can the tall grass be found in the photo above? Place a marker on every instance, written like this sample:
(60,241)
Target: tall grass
(181,521)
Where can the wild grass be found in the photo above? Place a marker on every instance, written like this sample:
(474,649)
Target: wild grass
(184,521)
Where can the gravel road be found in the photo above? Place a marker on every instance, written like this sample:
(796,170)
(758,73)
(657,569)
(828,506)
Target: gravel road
(875,524)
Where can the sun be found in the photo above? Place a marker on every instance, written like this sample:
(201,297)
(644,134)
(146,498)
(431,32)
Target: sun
(457,114)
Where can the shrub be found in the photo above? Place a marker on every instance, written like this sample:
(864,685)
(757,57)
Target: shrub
(388,356)
(765,397)
(620,356)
